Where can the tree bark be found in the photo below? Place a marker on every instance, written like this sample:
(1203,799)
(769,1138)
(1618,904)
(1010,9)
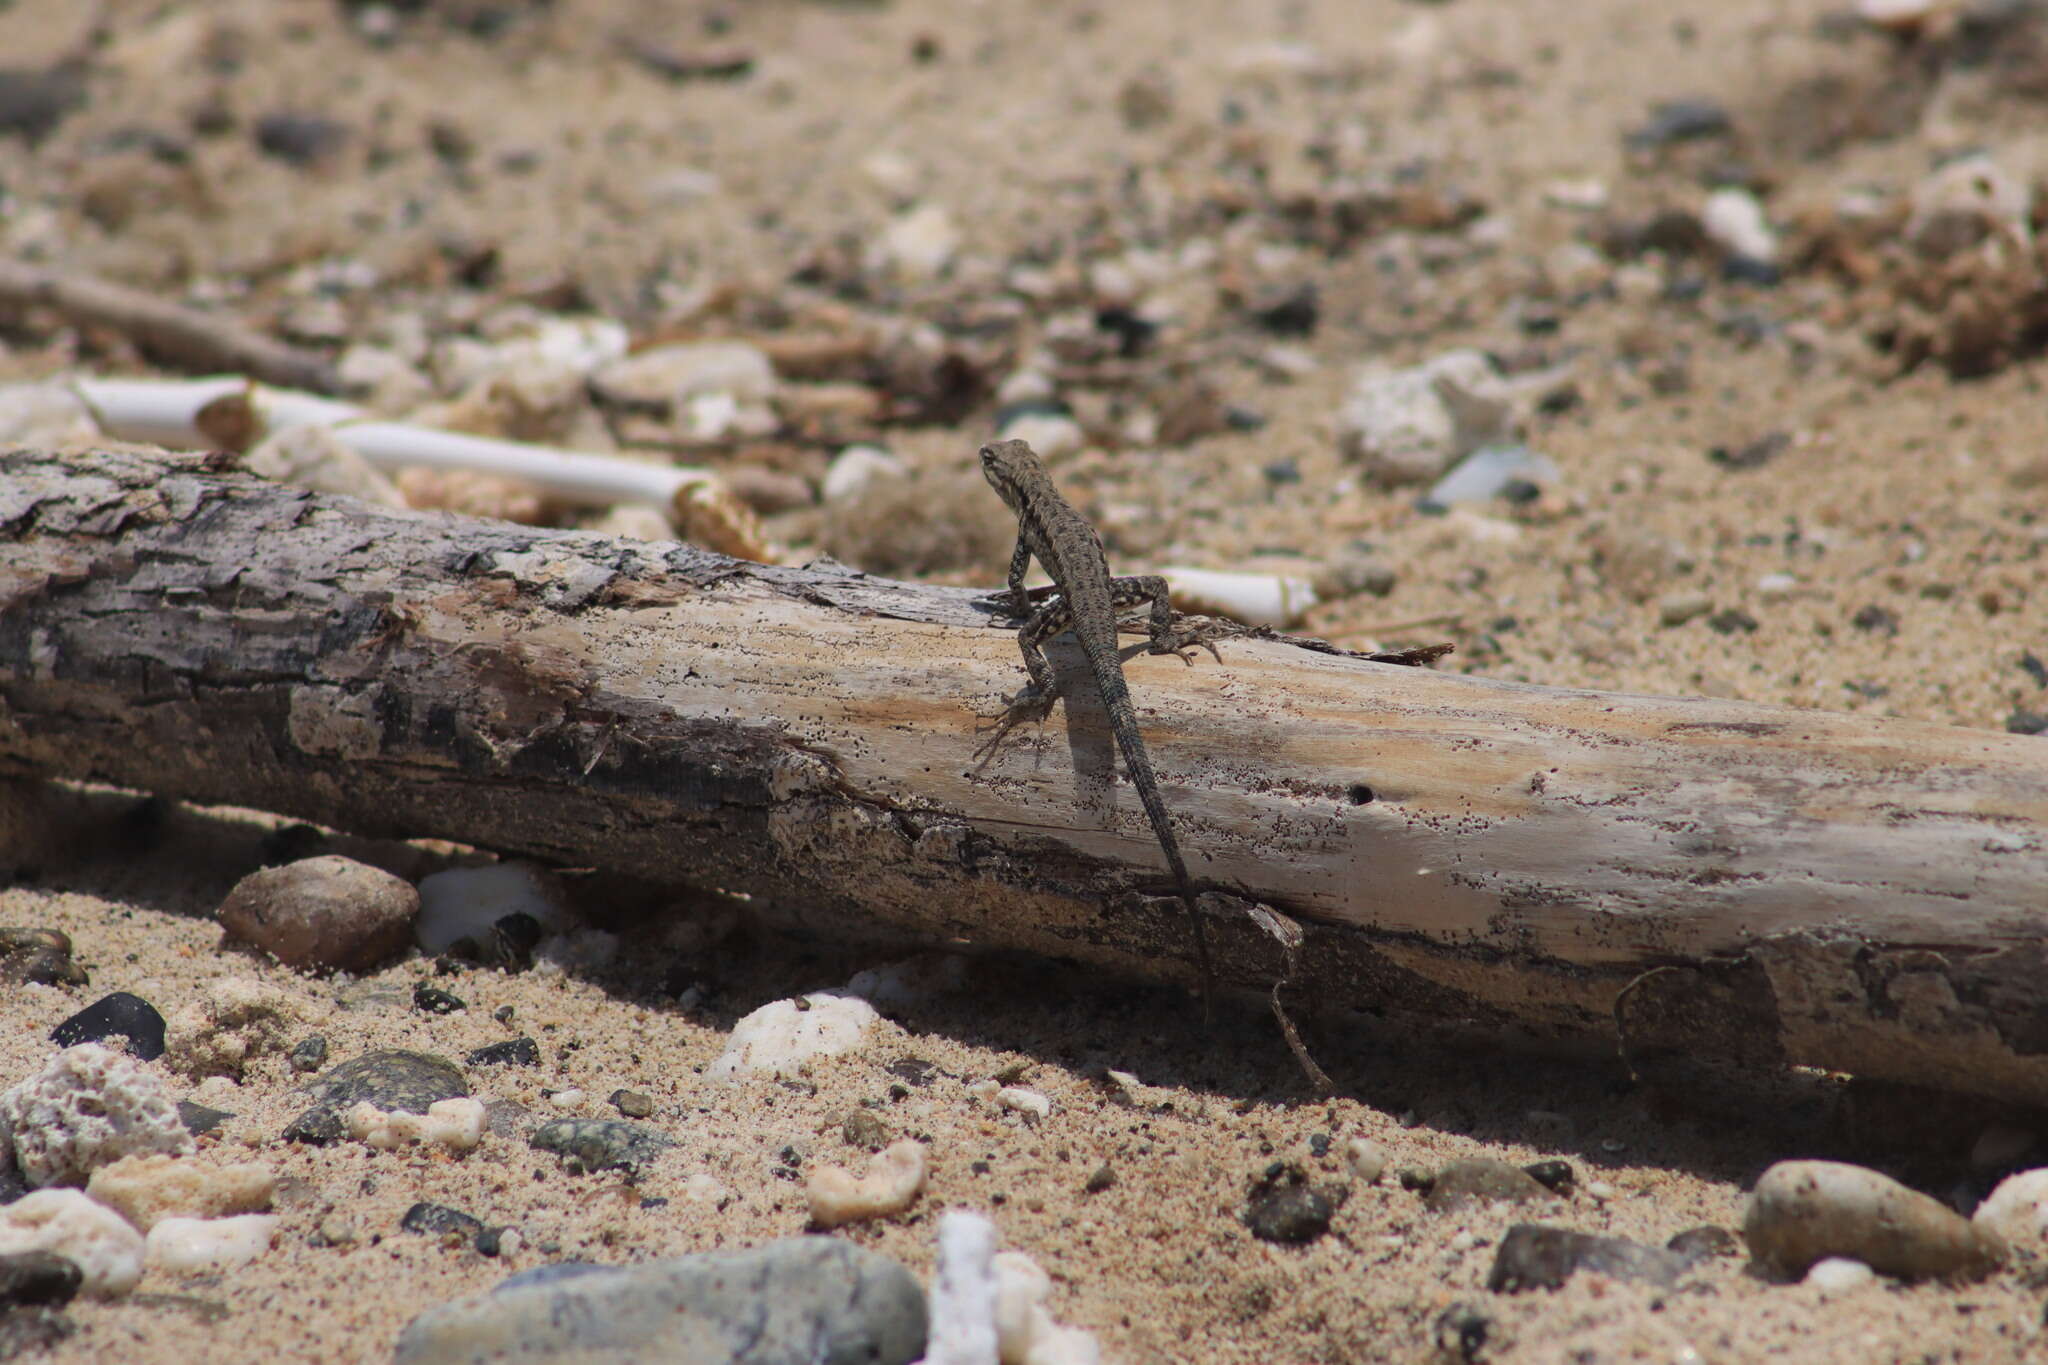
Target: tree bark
(1573,868)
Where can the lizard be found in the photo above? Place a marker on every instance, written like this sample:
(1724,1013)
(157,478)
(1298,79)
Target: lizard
(1088,602)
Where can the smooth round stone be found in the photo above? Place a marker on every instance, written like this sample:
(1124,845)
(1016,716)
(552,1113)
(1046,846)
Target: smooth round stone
(1807,1211)
(323,914)
(127,1017)
(800,1301)
(392,1078)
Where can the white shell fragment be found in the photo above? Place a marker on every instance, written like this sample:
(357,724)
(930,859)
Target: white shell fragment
(782,1036)
(100,1242)
(456,1124)
(894,1178)
(196,1246)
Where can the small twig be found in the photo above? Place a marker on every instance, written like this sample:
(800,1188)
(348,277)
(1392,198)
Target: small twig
(169,332)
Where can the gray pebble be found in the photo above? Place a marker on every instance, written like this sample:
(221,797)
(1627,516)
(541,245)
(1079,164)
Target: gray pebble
(438,1220)
(1535,1257)
(800,1301)
(391,1079)
(602,1144)
(511,1052)
(1284,1207)
(37,1278)
(1479,1181)
(310,1055)
(38,957)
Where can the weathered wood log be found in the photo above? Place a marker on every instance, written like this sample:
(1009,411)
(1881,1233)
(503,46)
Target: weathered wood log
(1745,882)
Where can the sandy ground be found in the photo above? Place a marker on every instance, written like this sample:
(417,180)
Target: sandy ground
(498,152)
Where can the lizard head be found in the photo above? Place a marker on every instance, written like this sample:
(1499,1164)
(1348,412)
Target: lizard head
(1006,465)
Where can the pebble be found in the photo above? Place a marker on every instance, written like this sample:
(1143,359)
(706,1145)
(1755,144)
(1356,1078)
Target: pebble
(896,1175)
(100,1242)
(88,1108)
(799,1301)
(33,102)
(455,1125)
(323,914)
(633,1104)
(301,140)
(438,1220)
(1805,1211)
(128,1017)
(917,245)
(1532,1256)
(200,1119)
(1704,1243)
(37,1278)
(236,1020)
(38,957)
(781,1038)
(857,469)
(1481,1180)
(1029,1103)
(2017,1211)
(602,1144)
(433,1000)
(310,1055)
(198,1246)
(148,1189)
(1365,1159)
(1052,435)
(1735,222)
(1838,1275)
(1409,425)
(1462,1331)
(390,1079)
(1675,609)
(862,1128)
(1285,1208)
(1682,120)
(510,1052)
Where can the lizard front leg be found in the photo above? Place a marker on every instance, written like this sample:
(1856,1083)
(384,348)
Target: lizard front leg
(1034,702)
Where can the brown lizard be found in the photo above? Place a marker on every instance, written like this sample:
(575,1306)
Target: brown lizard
(1089,602)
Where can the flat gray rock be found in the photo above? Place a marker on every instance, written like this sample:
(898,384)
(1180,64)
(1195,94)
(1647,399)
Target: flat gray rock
(800,1301)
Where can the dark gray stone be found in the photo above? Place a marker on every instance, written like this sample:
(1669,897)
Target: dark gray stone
(1284,1207)
(1481,1180)
(511,1052)
(127,1017)
(801,1301)
(37,1278)
(602,1144)
(1535,1257)
(438,1220)
(391,1079)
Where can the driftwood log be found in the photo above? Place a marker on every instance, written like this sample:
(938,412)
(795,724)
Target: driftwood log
(1573,868)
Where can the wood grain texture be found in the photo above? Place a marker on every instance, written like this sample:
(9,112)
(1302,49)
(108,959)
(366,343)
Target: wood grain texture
(1757,884)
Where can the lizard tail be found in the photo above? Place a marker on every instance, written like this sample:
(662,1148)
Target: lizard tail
(1116,699)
